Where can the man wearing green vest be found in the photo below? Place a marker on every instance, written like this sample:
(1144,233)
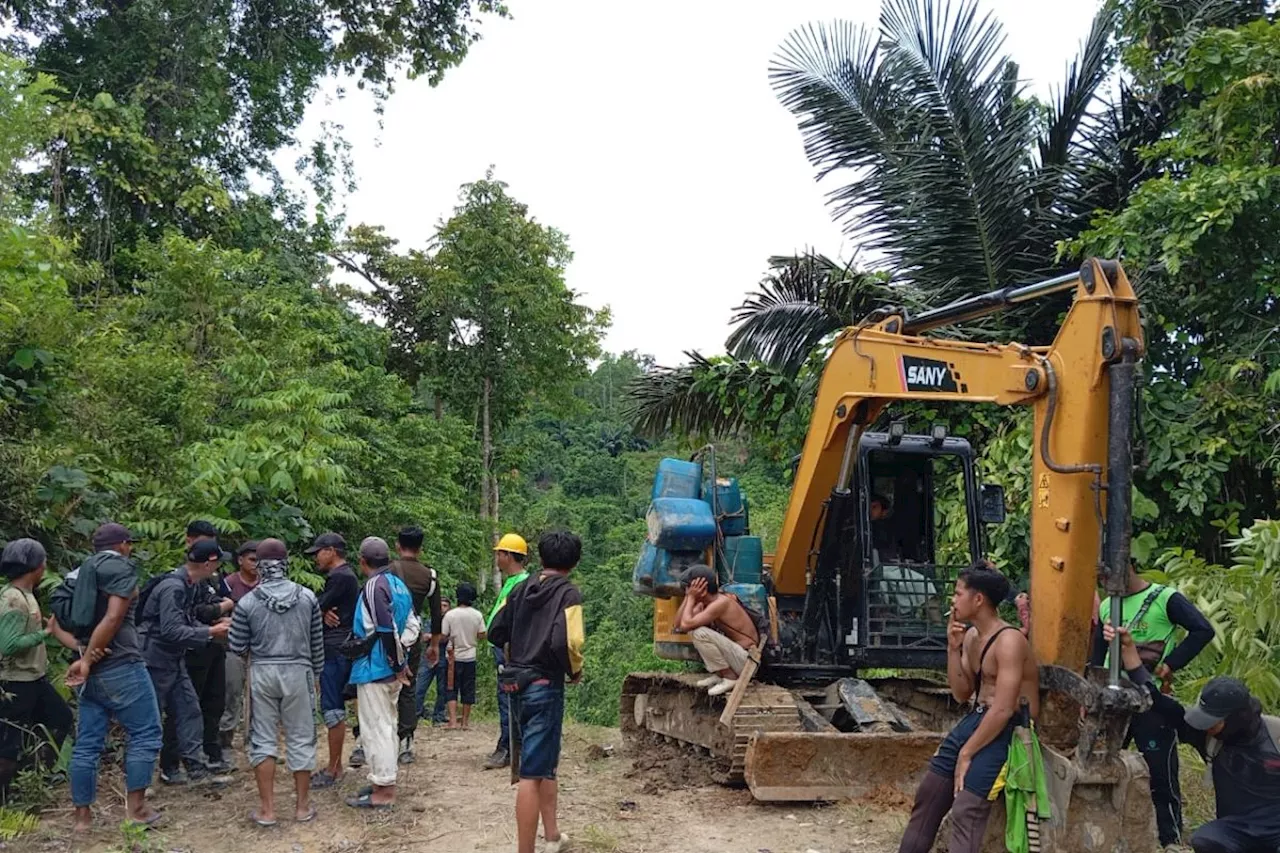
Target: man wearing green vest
(1153,613)
(512,552)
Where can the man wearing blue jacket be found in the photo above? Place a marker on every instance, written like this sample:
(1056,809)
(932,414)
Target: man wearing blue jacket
(382,612)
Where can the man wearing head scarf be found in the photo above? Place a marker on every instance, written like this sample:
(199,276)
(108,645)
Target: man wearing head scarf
(29,706)
(113,680)
(279,627)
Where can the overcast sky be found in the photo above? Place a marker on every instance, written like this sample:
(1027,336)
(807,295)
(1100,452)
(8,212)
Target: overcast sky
(647,132)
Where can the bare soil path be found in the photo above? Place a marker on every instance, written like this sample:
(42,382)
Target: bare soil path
(658,800)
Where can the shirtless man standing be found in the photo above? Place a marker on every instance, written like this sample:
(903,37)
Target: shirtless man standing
(992,661)
(722,629)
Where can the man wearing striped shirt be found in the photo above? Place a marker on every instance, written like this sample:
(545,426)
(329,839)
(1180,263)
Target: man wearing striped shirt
(279,626)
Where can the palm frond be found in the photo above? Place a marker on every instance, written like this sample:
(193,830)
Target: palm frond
(930,119)
(711,398)
(804,299)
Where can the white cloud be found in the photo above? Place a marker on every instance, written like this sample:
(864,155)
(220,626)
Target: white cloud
(646,131)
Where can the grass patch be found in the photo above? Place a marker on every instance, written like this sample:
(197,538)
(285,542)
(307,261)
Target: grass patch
(596,839)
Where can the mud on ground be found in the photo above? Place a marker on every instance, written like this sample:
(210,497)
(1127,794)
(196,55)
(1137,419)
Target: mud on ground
(660,800)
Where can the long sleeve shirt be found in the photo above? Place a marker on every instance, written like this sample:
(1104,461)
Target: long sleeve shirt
(280,624)
(169,625)
(1183,614)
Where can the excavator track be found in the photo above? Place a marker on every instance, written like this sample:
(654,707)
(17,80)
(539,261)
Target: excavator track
(670,706)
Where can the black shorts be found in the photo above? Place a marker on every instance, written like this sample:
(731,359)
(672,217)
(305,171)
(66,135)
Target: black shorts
(985,767)
(464,683)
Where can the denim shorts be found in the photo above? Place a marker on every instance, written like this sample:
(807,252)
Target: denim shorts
(333,681)
(540,711)
(464,683)
(985,767)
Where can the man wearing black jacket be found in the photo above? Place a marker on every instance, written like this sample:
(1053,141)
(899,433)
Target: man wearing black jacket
(1227,728)
(1152,613)
(424,588)
(541,628)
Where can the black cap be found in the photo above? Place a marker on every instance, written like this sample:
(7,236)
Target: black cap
(205,550)
(328,540)
(247,548)
(111,534)
(1221,698)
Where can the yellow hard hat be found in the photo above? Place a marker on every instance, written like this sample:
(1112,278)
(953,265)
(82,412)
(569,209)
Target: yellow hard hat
(514,543)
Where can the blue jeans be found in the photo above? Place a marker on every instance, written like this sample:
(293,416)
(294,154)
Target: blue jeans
(123,692)
(427,674)
(504,712)
(539,710)
(333,679)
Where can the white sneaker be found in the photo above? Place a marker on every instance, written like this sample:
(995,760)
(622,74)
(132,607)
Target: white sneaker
(561,843)
(710,681)
(725,685)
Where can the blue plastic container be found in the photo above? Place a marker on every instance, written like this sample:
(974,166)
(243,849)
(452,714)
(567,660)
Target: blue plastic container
(646,567)
(744,558)
(677,478)
(730,509)
(670,571)
(750,594)
(681,524)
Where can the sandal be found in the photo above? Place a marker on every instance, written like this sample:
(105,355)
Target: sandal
(322,779)
(253,816)
(365,801)
(309,816)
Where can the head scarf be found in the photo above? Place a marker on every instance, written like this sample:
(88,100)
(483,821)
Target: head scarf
(20,557)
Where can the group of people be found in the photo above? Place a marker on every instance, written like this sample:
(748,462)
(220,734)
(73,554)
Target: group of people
(174,660)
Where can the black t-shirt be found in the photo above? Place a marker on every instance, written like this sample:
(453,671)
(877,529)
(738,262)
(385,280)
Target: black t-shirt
(341,589)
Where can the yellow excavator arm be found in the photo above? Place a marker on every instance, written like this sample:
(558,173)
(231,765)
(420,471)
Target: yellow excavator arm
(1069,386)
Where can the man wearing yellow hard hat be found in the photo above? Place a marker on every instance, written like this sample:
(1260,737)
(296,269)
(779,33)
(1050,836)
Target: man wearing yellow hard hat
(512,553)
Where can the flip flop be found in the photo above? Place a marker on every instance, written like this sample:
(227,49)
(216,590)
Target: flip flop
(310,815)
(365,801)
(148,823)
(322,779)
(253,816)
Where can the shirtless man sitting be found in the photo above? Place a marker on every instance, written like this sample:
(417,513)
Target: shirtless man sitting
(722,629)
(992,661)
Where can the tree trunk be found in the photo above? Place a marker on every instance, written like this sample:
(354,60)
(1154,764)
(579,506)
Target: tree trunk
(486,480)
(497,574)
(439,406)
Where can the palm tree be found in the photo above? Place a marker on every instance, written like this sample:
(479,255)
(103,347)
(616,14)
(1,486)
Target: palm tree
(956,178)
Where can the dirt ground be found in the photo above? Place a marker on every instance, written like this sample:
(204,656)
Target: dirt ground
(659,800)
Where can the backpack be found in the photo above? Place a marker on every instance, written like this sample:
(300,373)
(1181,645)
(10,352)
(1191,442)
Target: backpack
(147,589)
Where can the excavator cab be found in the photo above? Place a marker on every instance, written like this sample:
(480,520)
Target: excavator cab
(912,519)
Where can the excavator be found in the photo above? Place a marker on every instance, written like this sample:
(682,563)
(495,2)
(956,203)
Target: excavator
(842,698)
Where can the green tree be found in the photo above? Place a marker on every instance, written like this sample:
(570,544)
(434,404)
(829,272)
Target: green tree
(484,313)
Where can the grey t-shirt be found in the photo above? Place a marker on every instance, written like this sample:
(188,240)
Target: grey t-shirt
(119,577)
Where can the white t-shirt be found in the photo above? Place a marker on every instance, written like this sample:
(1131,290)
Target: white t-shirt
(462,625)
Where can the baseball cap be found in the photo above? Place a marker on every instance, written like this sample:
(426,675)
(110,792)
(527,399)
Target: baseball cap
(247,548)
(272,549)
(1221,698)
(374,550)
(327,540)
(110,534)
(205,550)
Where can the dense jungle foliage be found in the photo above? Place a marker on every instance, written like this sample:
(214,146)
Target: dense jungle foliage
(182,336)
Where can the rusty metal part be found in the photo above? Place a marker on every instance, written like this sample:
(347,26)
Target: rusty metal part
(785,766)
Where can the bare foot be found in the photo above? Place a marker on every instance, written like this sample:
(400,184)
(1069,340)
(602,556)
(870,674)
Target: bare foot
(83,821)
(449,726)
(147,815)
